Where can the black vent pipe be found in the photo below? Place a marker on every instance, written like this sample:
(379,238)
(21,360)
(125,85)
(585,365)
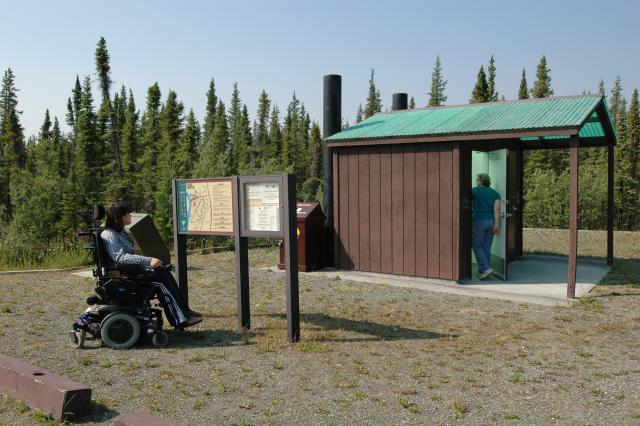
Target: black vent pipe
(399,101)
(331,124)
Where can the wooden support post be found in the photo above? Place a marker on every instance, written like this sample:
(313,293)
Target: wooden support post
(242,264)
(291,258)
(179,245)
(573,216)
(610,207)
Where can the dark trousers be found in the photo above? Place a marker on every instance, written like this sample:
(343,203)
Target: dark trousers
(170,297)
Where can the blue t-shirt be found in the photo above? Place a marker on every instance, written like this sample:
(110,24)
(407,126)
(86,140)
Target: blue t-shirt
(484,198)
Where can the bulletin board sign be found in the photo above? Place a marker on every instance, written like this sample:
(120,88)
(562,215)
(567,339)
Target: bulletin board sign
(262,202)
(206,206)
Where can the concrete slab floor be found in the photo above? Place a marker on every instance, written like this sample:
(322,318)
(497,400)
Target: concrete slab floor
(534,279)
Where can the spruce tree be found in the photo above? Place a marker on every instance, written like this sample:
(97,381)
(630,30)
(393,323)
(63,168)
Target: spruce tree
(12,146)
(45,129)
(261,129)
(187,153)
(438,84)
(412,103)
(214,155)
(359,114)
(601,89)
(210,113)
(542,86)
(171,120)
(87,164)
(235,115)
(242,148)
(150,147)
(130,153)
(274,151)
(492,93)
(374,102)
(103,69)
(631,203)
(523,91)
(615,99)
(73,104)
(315,153)
(480,90)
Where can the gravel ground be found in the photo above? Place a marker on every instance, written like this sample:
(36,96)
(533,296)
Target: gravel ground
(369,354)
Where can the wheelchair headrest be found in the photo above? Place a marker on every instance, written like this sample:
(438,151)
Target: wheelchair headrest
(98,212)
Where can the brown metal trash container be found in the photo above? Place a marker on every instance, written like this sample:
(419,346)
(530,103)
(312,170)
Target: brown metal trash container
(310,233)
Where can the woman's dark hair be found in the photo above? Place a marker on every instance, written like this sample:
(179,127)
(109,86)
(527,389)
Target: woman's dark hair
(115,212)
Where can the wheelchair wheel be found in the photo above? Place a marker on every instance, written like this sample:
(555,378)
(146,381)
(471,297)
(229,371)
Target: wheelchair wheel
(120,330)
(159,339)
(77,338)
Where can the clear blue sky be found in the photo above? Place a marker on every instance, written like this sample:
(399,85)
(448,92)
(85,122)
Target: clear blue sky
(282,46)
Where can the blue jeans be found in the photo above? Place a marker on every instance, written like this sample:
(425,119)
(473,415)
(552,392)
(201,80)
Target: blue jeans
(481,240)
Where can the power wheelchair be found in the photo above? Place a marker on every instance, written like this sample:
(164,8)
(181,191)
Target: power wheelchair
(121,312)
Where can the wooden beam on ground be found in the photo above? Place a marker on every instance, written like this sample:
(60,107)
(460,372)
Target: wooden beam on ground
(573,217)
(56,396)
(610,206)
(141,418)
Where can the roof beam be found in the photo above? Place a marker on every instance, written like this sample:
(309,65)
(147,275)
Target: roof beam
(562,131)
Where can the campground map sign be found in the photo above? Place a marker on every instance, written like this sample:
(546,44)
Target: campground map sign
(205,206)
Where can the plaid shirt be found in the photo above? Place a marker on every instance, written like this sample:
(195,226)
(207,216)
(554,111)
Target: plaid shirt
(120,248)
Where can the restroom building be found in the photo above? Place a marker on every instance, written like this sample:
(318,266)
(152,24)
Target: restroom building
(400,184)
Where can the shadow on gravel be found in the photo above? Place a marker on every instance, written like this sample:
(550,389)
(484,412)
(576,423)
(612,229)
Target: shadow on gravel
(210,338)
(372,330)
(99,413)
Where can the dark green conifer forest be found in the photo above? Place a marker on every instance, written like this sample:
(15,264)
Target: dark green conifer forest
(116,151)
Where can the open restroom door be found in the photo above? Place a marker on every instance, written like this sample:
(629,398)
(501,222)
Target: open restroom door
(494,163)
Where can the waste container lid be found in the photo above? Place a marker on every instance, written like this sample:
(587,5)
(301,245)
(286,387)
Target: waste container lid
(305,209)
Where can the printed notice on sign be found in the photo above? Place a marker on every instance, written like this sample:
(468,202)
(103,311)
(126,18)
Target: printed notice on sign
(262,206)
(205,207)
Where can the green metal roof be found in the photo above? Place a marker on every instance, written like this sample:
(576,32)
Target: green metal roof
(530,114)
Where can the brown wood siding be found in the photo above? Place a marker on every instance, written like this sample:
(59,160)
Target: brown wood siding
(396,209)
(364,209)
(433,210)
(386,241)
(374,212)
(343,188)
(422,214)
(336,210)
(354,219)
(409,220)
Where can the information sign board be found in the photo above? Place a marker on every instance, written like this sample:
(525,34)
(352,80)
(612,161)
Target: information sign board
(262,206)
(206,206)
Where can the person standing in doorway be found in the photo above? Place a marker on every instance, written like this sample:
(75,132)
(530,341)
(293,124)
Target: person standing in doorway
(484,222)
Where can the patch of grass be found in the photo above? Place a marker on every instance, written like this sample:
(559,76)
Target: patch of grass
(198,405)
(435,398)
(277,366)
(419,374)
(42,418)
(589,304)
(516,379)
(256,384)
(313,347)
(510,416)
(6,310)
(408,405)
(458,408)
(359,396)
(86,360)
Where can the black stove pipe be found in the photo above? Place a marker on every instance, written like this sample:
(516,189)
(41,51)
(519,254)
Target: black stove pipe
(399,101)
(331,124)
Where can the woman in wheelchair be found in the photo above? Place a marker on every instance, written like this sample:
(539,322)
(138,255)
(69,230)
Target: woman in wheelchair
(120,249)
